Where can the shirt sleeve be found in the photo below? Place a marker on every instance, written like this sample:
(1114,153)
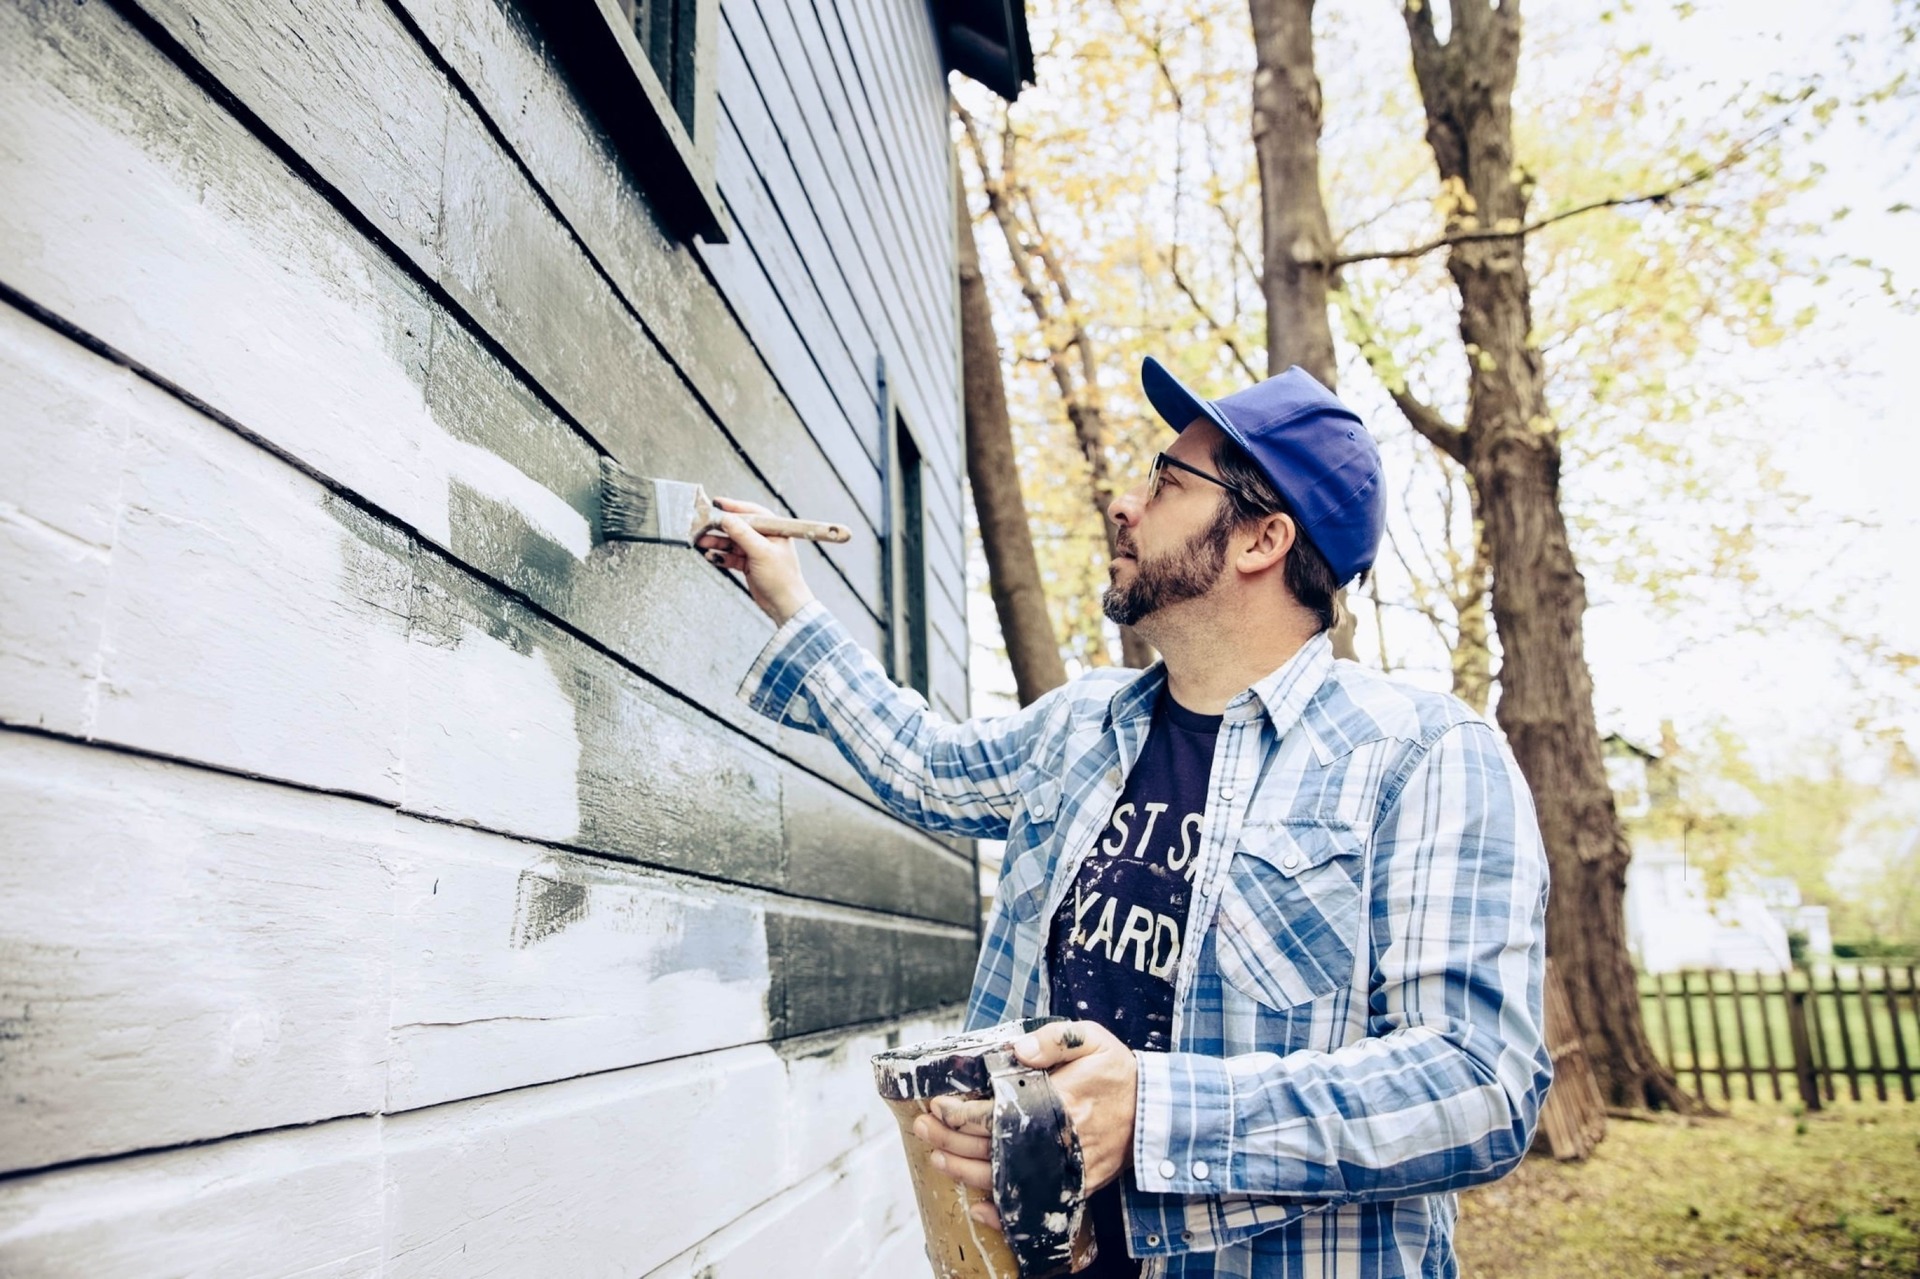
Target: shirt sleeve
(1446,1089)
(953,778)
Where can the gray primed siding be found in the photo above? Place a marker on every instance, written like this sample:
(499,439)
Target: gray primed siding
(315,324)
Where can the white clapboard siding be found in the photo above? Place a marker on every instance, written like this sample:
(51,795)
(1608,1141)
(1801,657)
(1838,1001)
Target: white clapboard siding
(258,298)
(495,246)
(303,1202)
(526,97)
(856,1217)
(297,638)
(278,957)
(229,607)
(187,954)
(609,1174)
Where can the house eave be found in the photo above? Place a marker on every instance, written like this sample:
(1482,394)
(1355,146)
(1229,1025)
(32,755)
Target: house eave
(986,40)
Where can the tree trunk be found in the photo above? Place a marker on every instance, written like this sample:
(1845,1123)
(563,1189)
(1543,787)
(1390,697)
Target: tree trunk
(1295,240)
(1511,449)
(1472,654)
(1013,573)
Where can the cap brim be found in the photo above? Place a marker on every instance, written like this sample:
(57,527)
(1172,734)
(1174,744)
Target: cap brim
(1176,404)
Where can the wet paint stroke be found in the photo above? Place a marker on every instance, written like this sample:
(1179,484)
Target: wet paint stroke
(543,906)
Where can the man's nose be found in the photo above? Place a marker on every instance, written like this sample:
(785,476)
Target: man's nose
(1125,509)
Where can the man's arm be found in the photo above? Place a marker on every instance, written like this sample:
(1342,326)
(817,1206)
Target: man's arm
(958,778)
(1446,1091)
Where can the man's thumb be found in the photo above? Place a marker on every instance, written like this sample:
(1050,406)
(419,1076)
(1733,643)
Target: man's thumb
(1054,1045)
(744,535)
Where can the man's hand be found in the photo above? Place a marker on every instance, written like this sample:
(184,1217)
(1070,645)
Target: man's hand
(1096,1077)
(770,564)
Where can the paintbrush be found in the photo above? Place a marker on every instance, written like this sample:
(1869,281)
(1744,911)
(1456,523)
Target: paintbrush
(641,508)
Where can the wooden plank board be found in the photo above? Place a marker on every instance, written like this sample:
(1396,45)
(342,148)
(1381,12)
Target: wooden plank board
(514,82)
(555,1179)
(185,638)
(496,246)
(829,325)
(923,236)
(886,33)
(188,954)
(786,115)
(252,292)
(918,199)
(301,1202)
(896,165)
(355,659)
(856,1217)
(637,1165)
(498,250)
(259,299)
(194,954)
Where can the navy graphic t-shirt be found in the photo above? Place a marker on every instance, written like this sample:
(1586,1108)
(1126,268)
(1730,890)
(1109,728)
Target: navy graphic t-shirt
(1118,935)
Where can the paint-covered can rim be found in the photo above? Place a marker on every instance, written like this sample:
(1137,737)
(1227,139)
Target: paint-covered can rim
(953,1065)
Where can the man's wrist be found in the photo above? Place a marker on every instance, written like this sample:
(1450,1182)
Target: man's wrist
(786,609)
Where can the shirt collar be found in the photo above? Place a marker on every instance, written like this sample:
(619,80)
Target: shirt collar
(1136,697)
(1282,694)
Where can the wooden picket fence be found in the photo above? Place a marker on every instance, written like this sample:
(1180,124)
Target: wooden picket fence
(1814,1034)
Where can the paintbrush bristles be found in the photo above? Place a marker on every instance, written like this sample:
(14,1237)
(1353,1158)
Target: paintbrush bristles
(638,508)
(626,504)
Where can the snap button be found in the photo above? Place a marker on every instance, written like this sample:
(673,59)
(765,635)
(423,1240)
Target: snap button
(1200,1170)
(1040,811)
(1226,792)
(1187,1235)
(1290,861)
(1167,1169)
(1153,1241)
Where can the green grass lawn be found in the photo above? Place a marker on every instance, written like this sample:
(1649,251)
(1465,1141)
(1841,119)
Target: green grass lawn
(1761,1192)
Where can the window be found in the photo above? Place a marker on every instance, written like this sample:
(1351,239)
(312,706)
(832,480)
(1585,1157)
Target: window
(910,607)
(665,30)
(645,69)
(905,566)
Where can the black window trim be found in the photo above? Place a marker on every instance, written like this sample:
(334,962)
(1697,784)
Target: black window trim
(595,42)
(909,630)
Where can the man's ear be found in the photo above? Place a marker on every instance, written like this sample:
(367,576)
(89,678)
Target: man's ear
(1273,536)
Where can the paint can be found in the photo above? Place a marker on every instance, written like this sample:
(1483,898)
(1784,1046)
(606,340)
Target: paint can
(1037,1172)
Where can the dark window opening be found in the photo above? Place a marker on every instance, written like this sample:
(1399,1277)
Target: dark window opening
(909,584)
(666,30)
(645,70)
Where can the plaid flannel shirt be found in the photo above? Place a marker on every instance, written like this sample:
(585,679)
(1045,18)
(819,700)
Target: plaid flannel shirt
(1358,1028)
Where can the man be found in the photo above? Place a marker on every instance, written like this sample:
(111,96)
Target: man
(1296,909)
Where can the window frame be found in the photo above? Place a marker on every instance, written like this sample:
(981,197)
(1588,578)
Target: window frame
(909,628)
(595,44)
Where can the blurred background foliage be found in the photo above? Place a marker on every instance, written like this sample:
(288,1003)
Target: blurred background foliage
(1718,264)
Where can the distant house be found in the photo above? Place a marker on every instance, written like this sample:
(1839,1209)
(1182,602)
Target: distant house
(1673,922)
(390,881)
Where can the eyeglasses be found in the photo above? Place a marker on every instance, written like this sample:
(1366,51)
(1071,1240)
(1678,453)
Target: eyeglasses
(1156,473)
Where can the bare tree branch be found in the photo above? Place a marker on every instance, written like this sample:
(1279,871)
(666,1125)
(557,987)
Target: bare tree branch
(1437,431)
(1663,196)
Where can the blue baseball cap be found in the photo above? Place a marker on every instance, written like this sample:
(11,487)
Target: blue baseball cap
(1315,449)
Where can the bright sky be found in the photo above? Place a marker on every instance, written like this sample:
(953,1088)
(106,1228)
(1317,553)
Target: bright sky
(1850,441)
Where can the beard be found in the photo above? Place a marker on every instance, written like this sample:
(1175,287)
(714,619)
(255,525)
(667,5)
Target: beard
(1183,574)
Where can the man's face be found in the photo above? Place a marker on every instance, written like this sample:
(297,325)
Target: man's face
(1173,546)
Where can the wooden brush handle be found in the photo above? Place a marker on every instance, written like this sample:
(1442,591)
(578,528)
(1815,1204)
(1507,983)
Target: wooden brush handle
(812,530)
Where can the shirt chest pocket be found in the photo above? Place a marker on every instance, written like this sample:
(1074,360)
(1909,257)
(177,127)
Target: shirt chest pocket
(1291,911)
(1023,873)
